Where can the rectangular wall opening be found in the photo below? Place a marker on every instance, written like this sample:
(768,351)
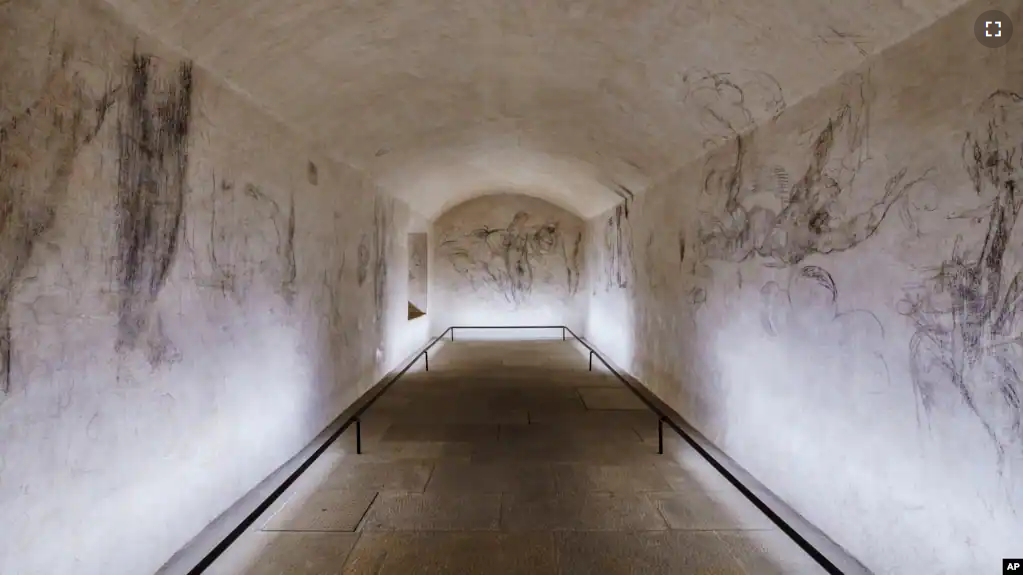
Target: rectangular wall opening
(417,275)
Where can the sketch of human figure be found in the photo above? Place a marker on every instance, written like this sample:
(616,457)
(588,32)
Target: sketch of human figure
(504,259)
(728,104)
(966,349)
(618,248)
(809,219)
(38,149)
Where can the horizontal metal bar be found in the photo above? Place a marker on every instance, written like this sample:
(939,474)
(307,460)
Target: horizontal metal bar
(505,327)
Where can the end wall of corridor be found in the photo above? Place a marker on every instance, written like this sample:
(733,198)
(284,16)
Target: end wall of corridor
(507,259)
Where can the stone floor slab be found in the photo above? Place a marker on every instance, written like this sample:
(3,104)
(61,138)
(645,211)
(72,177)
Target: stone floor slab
(453,553)
(665,552)
(286,553)
(395,476)
(581,511)
(608,478)
(391,512)
(696,510)
(509,476)
(322,511)
(617,398)
(770,552)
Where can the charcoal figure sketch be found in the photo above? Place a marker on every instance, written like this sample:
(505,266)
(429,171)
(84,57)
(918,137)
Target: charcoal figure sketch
(505,259)
(153,133)
(251,238)
(38,149)
(382,216)
(809,220)
(728,104)
(966,349)
(618,248)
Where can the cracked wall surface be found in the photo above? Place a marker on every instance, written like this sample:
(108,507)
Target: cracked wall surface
(182,302)
(840,290)
(507,259)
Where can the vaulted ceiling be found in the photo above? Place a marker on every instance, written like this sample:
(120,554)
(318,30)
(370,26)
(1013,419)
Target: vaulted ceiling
(442,100)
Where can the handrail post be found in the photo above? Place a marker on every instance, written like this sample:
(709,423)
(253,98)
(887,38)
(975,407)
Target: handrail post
(426,362)
(563,333)
(591,367)
(359,437)
(452,333)
(661,435)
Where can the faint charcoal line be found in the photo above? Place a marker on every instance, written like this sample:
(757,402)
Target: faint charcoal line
(363,264)
(286,271)
(381,229)
(572,265)
(290,269)
(856,40)
(618,240)
(335,322)
(153,152)
(224,279)
(781,315)
(5,357)
(312,174)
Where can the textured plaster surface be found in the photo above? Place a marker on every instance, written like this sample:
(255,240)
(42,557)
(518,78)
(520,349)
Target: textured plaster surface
(188,294)
(441,101)
(507,259)
(835,300)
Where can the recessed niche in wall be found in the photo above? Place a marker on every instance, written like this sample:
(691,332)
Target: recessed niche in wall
(417,274)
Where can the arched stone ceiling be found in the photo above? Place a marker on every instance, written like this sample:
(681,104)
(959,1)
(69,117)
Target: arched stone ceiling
(441,100)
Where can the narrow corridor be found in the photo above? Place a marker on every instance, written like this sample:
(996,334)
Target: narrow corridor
(511,457)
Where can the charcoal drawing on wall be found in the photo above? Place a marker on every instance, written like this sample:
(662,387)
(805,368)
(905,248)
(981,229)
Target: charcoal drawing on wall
(730,103)
(807,309)
(251,239)
(383,213)
(812,218)
(153,135)
(966,349)
(572,264)
(506,260)
(363,264)
(618,248)
(38,148)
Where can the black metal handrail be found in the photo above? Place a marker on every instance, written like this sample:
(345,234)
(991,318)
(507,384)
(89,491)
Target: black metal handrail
(363,404)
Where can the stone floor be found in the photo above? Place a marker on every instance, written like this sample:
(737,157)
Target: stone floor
(511,457)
